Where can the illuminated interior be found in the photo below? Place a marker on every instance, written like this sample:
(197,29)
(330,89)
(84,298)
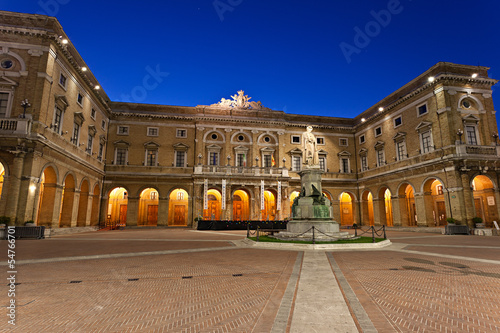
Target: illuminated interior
(388,208)
(346,209)
(214,205)
(367,208)
(241,206)
(148,208)
(269,212)
(117,206)
(68,197)
(2,174)
(178,208)
(485,203)
(409,214)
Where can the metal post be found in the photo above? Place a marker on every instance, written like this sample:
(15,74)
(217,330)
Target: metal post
(257,233)
(355,231)
(314,242)
(385,237)
(373,234)
(248,230)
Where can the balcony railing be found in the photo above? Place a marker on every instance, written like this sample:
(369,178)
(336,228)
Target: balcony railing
(15,125)
(464,149)
(243,171)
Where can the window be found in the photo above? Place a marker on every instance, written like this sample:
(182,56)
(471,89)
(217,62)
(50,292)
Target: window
(470,135)
(153,195)
(380,157)
(152,131)
(422,109)
(122,130)
(296,139)
(62,80)
(76,133)
(90,143)
(398,121)
(213,158)
(378,131)
(296,163)
(322,163)
(362,139)
(320,140)
(344,162)
(401,150)
(4,102)
(180,159)
(101,151)
(79,99)
(92,114)
(343,142)
(180,195)
(103,124)
(364,163)
(426,141)
(439,189)
(151,156)
(241,160)
(267,161)
(121,156)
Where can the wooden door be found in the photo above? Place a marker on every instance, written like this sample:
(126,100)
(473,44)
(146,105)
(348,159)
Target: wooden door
(179,215)
(152,214)
(346,210)
(123,215)
(238,211)
(441,211)
(479,208)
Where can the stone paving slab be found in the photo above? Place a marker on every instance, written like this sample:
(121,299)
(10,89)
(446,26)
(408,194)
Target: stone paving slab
(481,252)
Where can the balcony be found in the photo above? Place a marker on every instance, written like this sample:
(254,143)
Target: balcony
(239,171)
(15,126)
(465,149)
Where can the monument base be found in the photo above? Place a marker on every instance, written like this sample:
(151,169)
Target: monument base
(323,229)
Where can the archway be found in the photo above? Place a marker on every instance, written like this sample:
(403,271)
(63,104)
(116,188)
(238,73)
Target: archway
(48,185)
(68,197)
(484,200)
(94,215)
(178,208)
(81,219)
(269,212)
(2,175)
(241,205)
(148,208)
(367,208)
(346,208)
(435,203)
(293,196)
(385,204)
(214,205)
(407,205)
(117,206)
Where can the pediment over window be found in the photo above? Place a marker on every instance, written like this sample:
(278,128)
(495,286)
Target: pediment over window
(400,136)
(151,144)
(79,118)
(379,145)
(344,153)
(121,143)
(470,119)
(295,151)
(213,147)
(5,81)
(322,152)
(102,138)
(92,130)
(180,146)
(267,150)
(241,149)
(424,125)
(363,151)
(61,102)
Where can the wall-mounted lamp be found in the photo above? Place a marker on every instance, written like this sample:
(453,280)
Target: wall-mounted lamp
(25,104)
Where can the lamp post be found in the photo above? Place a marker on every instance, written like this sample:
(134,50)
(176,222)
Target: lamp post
(460,133)
(284,161)
(25,104)
(495,138)
(200,156)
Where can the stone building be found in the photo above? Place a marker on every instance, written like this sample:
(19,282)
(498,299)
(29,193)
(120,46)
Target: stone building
(425,153)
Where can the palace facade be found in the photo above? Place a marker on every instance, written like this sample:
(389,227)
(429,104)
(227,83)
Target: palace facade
(70,157)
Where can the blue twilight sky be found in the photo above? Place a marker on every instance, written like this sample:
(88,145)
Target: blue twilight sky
(286,54)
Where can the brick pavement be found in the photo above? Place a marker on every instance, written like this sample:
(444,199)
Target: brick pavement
(203,285)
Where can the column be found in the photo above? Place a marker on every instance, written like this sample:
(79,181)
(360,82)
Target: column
(378,219)
(12,199)
(132,210)
(255,213)
(397,203)
(424,206)
(163,203)
(74,210)
(465,200)
(54,222)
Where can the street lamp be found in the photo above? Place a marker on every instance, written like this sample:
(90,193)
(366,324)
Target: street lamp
(200,156)
(25,104)
(495,138)
(460,133)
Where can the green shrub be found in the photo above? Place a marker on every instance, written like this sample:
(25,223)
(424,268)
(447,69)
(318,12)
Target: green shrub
(4,220)
(477,220)
(30,221)
(451,220)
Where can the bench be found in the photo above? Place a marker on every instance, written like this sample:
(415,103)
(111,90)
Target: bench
(37,232)
(451,229)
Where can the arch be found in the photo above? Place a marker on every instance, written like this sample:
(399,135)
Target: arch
(147,214)
(269,212)
(145,187)
(328,195)
(346,200)
(293,195)
(94,215)
(241,205)
(436,205)
(479,105)
(485,201)
(385,206)
(2,176)
(46,201)
(214,205)
(117,206)
(367,208)
(18,58)
(68,197)
(178,207)
(406,197)
(274,138)
(209,132)
(245,142)
(81,220)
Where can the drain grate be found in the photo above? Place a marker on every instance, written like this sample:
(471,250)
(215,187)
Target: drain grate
(133,279)
(75,281)
(187,277)
(393,269)
(237,274)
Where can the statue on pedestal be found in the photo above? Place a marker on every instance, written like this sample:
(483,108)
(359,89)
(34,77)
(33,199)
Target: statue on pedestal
(310,152)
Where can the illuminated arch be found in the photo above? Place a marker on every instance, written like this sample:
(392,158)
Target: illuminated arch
(178,207)
(117,206)
(485,201)
(241,205)
(147,214)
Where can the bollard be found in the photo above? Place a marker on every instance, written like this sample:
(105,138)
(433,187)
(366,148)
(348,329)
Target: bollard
(314,242)
(248,230)
(258,233)
(373,234)
(385,237)
(355,230)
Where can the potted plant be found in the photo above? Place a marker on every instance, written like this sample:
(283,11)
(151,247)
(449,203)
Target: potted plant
(477,222)
(451,220)
(29,223)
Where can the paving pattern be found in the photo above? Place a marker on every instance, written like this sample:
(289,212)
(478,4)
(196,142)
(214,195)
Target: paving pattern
(165,280)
